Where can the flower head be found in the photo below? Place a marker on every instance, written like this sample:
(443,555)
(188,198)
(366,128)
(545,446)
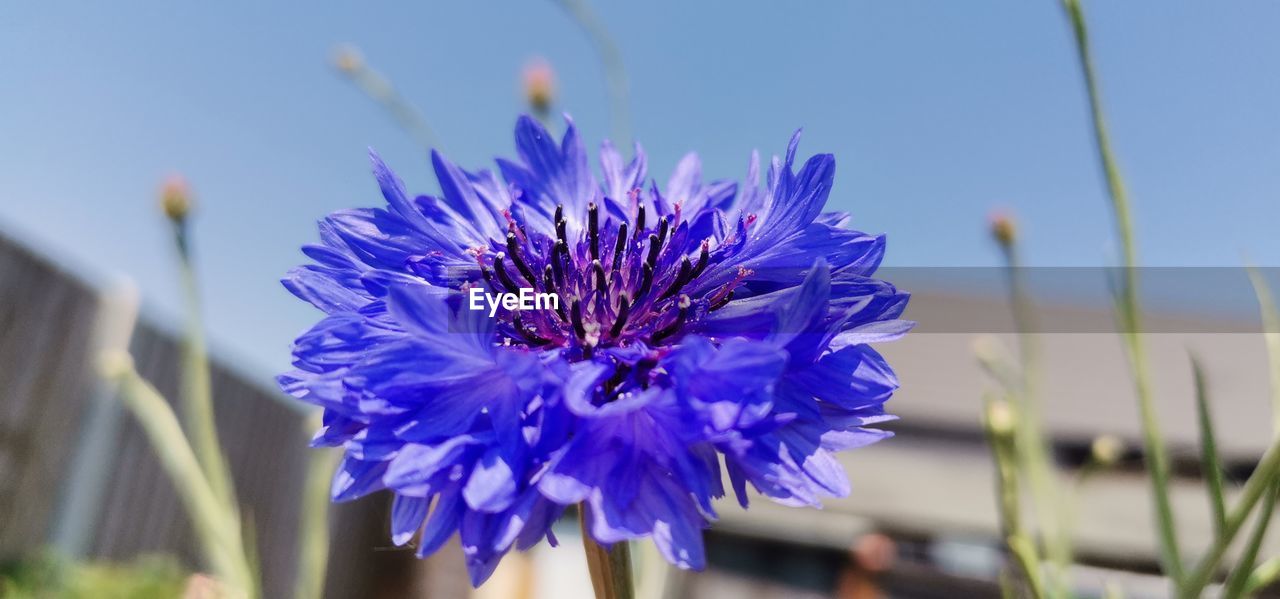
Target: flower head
(539,85)
(1004,229)
(175,198)
(700,324)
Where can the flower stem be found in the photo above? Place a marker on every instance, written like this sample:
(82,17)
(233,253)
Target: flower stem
(216,525)
(378,88)
(1031,445)
(1263,477)
(1128,308)
(1264,576)
(610,568)
(611,58)
(313,533)
(1000,422)
(197,386)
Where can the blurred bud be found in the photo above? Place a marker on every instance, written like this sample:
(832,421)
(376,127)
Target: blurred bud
(875,552)
(1107,450)
(175,198)
(1000,418)
(201,586)
(539,85)
(1003,228)
(347,58)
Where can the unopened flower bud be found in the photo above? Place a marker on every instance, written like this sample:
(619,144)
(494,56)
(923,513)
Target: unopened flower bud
(347,58)
(539,85)
(1107,450)
(1000,418)
(1003,228)
(175,198)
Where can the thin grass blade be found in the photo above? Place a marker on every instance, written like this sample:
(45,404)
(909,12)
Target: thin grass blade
(1210,462)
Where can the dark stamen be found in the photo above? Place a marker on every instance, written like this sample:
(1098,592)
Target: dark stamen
(624,308)
(561,234)
(644,368)
(663,226)
(501,271)
(513,249)
(682,277)
(619,375)
(564,255)
(556,267)
(559,213)
(548,282)
(619,246)
(639,221)
(670,329)
(655,245)
(728,297)
(488,277)
(602,285)
(575,313)
(528,332)
(593,229)
(703,256)
(646,281)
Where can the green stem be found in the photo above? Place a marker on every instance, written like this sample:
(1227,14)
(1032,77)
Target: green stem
(313,533)
(217,527)
(1271,334)
(378,88)
(1032,445)
(1264,576)
(197,386)
(1211,464)
(1239,576)
(610,568)
(1264,476)
(611,59)
(1130,314)
(1000,430)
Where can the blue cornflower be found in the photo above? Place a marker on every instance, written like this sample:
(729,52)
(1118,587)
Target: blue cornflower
(698,325)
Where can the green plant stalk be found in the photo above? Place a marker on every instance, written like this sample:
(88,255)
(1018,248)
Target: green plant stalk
(1210,462)
(313,529)
(1021,548)
(379,89)
(1239,577)
(1130,314)
(1263,576)
(197,386)
(1264,476)
(217,527)
(611,575)
(1267,573)
(1271,334)
(611,59)
(1031,446)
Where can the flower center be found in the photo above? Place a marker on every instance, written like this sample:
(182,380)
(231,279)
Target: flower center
(617,283)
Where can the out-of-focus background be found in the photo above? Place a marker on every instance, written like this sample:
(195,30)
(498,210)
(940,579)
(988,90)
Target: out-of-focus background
(937,113)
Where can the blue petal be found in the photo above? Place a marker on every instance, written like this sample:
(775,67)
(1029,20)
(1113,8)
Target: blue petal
(407,514)
(852,377)
(492,485)
(356,478)
(444,520)
(318,288)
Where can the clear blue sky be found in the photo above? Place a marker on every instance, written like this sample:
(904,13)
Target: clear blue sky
(936,111)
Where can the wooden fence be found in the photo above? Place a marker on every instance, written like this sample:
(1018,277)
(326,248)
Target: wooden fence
(78,474)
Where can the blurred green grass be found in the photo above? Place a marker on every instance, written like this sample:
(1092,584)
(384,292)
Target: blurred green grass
(50,577)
